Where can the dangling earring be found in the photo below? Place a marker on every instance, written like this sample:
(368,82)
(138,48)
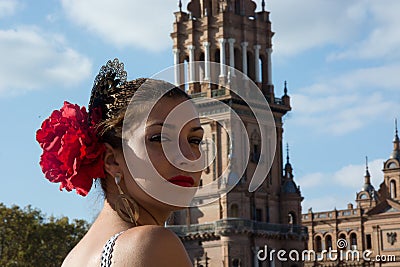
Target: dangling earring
(126,212)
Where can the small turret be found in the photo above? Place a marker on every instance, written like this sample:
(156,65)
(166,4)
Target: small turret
(289,186)
(367,181)
(286,97)
(288,166)
(396,144)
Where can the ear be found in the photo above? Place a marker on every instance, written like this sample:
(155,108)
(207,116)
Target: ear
(111,165)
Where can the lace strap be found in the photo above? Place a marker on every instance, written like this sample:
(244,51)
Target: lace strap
(108,248)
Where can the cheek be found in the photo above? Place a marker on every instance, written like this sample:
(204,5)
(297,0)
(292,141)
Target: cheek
(157,158)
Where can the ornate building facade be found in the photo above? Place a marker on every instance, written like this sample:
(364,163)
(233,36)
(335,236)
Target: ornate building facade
(231,230)
(372,227)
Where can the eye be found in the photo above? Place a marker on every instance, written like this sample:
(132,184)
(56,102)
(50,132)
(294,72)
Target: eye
(196,141)
(159,138)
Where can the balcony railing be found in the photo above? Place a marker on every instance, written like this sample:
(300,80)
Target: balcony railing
(237,224)
(219,92)
(196,95)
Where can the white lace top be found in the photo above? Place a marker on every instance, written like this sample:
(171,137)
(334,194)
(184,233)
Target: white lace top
(108,248)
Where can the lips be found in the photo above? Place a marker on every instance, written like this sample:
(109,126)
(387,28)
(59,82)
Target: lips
(181,180)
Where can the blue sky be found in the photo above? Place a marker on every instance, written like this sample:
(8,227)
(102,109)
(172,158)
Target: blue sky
(341,60)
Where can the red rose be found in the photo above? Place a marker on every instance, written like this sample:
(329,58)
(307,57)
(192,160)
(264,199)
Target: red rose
(72,154)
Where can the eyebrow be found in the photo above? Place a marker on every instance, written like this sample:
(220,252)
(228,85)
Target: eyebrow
(170,126)
(194,129)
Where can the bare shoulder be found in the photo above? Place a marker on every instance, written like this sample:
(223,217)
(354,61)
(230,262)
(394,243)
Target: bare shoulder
(150,246)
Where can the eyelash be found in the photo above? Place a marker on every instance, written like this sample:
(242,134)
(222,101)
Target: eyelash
(158,138)
(197,141)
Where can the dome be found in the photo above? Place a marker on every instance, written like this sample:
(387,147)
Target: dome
(370,190)
(289,187)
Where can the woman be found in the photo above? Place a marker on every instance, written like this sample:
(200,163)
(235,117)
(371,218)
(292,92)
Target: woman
(125,118)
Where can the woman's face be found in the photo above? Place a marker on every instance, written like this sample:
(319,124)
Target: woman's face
(163,154)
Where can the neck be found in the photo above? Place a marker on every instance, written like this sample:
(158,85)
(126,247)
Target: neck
(148,215)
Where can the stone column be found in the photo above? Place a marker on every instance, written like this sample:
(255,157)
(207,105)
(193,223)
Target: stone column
(207,60)
(244,56)
(269,66)
(177,67)
(191,64)
(232,54)
(256,61)
(222,72)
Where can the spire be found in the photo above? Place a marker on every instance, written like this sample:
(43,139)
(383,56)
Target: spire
(367,171)
(367,181)
(263,5)
(396,143)
(180,6)
(285,89)
(288,166)
(287,153)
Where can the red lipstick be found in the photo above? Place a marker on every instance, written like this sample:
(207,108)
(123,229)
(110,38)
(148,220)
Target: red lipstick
(181,180)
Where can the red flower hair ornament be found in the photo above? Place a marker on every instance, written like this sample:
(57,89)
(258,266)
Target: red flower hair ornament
(72,154)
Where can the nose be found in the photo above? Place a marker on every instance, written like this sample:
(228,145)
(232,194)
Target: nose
(184,155)
(190,154)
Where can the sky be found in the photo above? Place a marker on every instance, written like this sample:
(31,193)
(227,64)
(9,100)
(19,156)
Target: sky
(341,60)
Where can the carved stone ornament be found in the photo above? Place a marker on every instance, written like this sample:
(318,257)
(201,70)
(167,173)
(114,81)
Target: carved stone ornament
(391,238)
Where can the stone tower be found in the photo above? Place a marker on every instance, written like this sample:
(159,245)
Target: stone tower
(231,230)
(390,188)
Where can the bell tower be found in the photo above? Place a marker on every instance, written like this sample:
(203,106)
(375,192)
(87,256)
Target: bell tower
(229,32)
(231,230)
(391,169)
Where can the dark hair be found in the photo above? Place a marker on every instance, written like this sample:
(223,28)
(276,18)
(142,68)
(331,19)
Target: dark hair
(113,101)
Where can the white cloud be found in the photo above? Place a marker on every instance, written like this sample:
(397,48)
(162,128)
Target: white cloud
(357,29)
(8,7)
(303,25)
(32,59)
(126,23)
(382,39)
(311,180)
(352,175)
(350,101)
(343,185)
(384,77)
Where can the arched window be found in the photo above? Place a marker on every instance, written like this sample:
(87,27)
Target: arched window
(238,59)
(353,241)
(236,263)
(292,218)
(318,244)
(260,69)
(215,68)
(201,67)
(208,10)
(217,55)
(185,79)
(393,189)
(343,237)
(328,242)
(234,210)
(237,7)
(255,146)
(250,65)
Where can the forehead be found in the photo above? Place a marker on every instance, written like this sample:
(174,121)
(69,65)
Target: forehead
(173,110)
